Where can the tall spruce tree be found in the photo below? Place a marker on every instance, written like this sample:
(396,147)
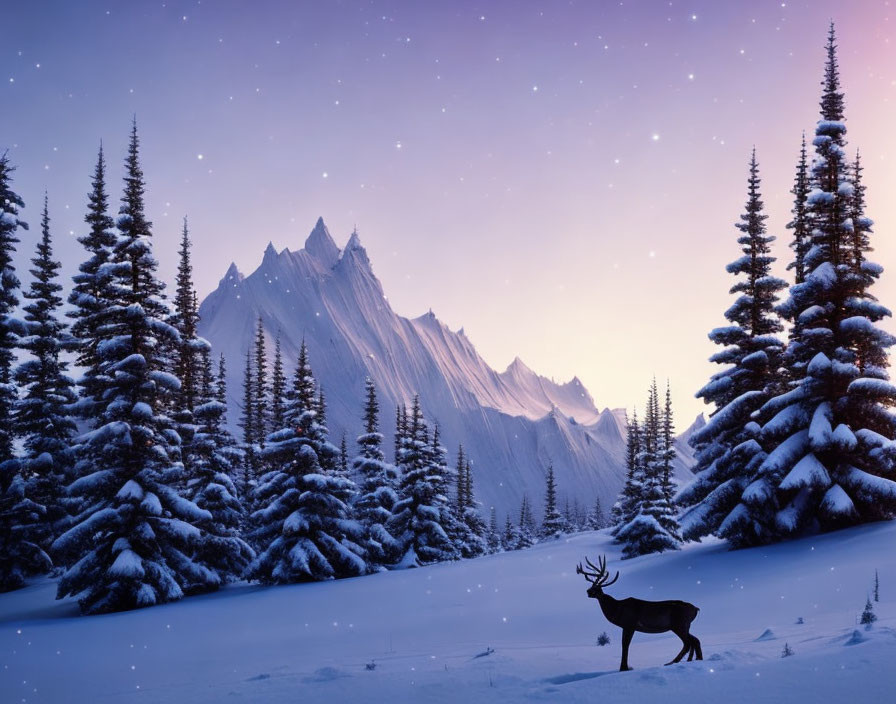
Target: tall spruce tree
(418,516)
(91,291)
(729,449)
(220,549)
(250,435)
(525,536)
(278,387)
(130,547)
(494,532)
(654,527)
(377,497)
(802,228)
(42,417)
(261,392)
(21,518)
(300,525)
(832,432)
(10,202)
(626,505)
(553,524)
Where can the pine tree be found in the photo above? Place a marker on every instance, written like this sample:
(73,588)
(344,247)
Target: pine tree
(419,514)
(800,224)
(832,431)
(654,527)
(460,491)
(401,428)
(22,524)
(595,519)
(300,525)
(130,546)
(91,292)
(377,497)
(494,533)
(868,615)
(250,436)
(220,549)
(10,203)
(859,239)
(278,387)
(667,451)
(42,418)
(553,524)
(261,393)
(476,541)
(729,488)
(526,530)
(511,537)
(626,505)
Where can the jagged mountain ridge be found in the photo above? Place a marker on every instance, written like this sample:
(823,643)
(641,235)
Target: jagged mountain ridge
(512,423)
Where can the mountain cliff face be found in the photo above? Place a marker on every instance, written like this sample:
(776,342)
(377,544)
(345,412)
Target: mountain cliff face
(511,423)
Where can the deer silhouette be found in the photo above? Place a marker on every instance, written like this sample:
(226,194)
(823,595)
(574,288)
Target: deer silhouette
(639,615)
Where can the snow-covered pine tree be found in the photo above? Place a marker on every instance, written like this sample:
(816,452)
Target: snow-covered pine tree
(10,202)
(802,228)
(553,524)
(91,291)
(494,533)
(460,489)
(249,445)
(477,542)
(595,519)
(278,387)
(42,416)
(301,527)
(261,392)
(729,486)
(22,529)
(525,536)
(401,433)
(654,527)
(667,446)
(832,432)
(220,548)
(130,546)
(511,537)
(377,497)
(626,505)
(860,240)
(418,515)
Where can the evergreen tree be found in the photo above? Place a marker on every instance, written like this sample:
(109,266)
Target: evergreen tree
(832,431)
(10,203)
(220,549)
(300,524)
(553,524)
(667,450)
(802,229)
(42,418)
(494,533)
(511,537)
(626,505)
(525,537)
(22,524)
(184,319)
(595,519)
(130,546)
(728,478)
(250,435)
(418,516)
(460,492)
(476,538)
(377,497)
(859,239)
(278,387)
(261,393)
(401,428)
(91,292)
(653,527)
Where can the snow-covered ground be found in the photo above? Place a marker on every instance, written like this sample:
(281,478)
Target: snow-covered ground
(421,631)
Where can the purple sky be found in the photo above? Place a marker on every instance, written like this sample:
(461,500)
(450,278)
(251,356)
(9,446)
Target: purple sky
(560,179)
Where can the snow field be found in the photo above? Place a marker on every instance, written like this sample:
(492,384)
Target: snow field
(420,630)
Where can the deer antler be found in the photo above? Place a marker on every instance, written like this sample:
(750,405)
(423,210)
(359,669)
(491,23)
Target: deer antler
(602,577)
(590,577)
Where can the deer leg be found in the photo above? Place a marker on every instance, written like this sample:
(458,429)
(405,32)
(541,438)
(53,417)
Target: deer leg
(627,634)
(695,649)
(685,639)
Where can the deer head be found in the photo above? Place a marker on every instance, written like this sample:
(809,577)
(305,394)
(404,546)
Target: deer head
(597,576)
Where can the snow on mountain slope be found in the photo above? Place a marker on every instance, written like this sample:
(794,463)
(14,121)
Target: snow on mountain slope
(512,423)
(421,631)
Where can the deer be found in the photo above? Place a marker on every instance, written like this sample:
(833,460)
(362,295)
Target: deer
(633,615)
